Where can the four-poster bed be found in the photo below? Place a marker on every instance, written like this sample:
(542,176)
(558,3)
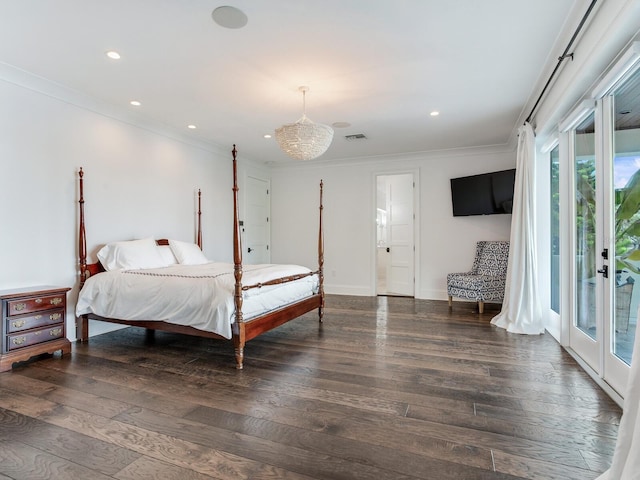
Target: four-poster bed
(272,296)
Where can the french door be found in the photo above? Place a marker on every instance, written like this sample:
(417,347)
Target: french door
(603,148)
(586,241)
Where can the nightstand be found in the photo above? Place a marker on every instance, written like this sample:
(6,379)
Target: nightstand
(33,323)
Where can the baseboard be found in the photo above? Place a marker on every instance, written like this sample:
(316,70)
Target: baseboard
(432,294)
(348,290)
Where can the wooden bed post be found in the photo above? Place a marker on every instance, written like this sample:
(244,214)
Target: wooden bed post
(82,323)
(199,231)
(239,327)
(321,258)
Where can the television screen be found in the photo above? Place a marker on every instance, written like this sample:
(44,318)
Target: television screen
(484,194)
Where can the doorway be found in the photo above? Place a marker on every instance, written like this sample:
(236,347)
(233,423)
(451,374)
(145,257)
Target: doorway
(395,235)
(256,227)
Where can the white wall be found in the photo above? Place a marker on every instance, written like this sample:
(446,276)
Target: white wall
(137,184)
(446,243)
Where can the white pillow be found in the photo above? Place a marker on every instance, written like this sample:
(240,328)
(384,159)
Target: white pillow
(187,253)
(130,255)
(167,255)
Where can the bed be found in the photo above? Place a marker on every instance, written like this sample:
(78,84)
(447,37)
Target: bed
(170,286)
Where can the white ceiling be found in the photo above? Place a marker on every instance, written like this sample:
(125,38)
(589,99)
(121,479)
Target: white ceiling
(380,65)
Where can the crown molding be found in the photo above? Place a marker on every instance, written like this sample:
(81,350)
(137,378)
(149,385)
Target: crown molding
(43,86)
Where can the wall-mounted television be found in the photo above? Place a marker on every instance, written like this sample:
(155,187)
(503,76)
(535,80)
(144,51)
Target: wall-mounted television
(484,194)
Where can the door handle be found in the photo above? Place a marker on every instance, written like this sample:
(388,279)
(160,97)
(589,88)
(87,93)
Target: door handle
(604,271)
(249,250)
(388,249)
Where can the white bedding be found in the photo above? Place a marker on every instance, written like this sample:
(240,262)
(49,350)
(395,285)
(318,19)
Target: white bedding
(199,296)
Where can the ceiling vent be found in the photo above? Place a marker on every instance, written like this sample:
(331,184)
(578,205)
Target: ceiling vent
(357,136)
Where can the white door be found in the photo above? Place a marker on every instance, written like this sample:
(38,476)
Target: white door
(604,152)
(256,226)
(585,330)
(622,230)
(399,193)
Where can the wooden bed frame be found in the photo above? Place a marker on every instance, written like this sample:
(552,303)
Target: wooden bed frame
(242,331)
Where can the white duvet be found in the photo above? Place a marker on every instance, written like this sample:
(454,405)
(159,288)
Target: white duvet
(199,296)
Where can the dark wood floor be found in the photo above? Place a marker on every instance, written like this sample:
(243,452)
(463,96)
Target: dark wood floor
(388,388)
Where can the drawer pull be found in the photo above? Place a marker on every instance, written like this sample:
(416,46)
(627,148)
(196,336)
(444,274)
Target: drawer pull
(18,340)
(55,301)
(55,332)
(55,316)
(38,300)
(18,323)
(20,306)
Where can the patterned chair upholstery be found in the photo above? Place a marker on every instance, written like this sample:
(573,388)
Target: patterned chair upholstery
(487,278)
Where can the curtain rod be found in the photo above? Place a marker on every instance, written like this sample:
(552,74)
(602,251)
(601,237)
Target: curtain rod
(562,57)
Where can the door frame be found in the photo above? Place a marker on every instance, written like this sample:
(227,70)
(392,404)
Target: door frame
(416,227)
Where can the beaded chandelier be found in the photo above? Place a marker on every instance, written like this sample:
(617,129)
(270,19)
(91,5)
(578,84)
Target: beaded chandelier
(304,140)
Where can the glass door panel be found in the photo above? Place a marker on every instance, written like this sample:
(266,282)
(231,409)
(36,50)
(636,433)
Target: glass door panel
(554,284)
(585,228)
(626,198)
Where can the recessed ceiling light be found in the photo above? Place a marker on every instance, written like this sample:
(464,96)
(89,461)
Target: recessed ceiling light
(267,135)
(192,126)
(229,17)
(434,113)
(135,103)
(113,55)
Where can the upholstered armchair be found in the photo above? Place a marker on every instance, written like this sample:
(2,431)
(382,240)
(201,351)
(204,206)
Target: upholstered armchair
(487,278)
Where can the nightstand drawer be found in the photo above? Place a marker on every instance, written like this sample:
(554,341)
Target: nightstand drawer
(21,340)
(27,322)
(35,304)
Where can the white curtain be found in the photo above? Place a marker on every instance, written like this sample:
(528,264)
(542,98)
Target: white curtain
(521,311)
(626,459)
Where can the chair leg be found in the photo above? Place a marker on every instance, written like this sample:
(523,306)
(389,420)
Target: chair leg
(481,306)
(450,301)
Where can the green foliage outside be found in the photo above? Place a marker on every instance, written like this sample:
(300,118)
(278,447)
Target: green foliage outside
(627,225)
(627,219)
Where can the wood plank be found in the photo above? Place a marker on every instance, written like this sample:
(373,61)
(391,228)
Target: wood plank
(112,395)
(184,454)
(540,470)
(39,382)
(575,424)
(22,462)
(65,444)
(145,468)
